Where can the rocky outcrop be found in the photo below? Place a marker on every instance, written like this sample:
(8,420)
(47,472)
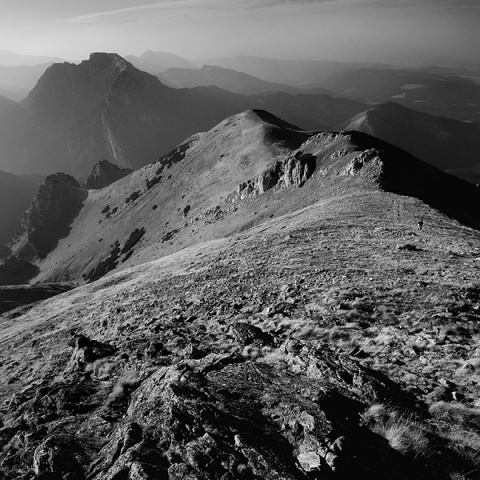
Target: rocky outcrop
(56,204)
(105,173)
(293,171)
(369,158)
(220,416)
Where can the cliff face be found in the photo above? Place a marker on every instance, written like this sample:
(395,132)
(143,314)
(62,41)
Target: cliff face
(75,107)
(105,173)
(56,204)
(292,171)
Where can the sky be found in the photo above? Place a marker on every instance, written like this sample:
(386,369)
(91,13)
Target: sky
(399,31)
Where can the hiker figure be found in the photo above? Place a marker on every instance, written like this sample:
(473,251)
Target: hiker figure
(420,224)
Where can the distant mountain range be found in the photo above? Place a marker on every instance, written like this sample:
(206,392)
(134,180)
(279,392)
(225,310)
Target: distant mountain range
(16,82)
(158,62)
(436,91)
(298,73)
(11,59)
(231,80)
(105,108)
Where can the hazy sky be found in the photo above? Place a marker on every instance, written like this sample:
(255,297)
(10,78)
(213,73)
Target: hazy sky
(434,30)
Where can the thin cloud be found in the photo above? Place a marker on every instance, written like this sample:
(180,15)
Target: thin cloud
(182,7)
(188,7)
(132,12)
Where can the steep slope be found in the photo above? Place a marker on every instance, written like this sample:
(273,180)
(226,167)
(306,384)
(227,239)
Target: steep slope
(70,105)
(443,142)
(228,79)
(249,168)
(471,174)
(55,205)
(315,345)
(106,108)
(16,196)
(105,173)
(158,62)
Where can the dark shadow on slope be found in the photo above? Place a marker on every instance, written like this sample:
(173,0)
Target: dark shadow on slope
(17,272)
(57,203)
(12,298)
(267,117)
(52,232)
(281,132)
(406,175)
(49,219)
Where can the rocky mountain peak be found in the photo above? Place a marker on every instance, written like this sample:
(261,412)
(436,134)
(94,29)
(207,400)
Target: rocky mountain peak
(105,173)
(56,204)
(103,58)
(58,178)
(90,81)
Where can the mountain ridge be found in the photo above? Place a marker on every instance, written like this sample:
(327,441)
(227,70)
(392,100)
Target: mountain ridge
(249,167)
(106,108)
(443,142)
(229,79)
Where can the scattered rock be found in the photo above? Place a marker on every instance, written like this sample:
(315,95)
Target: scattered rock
(86,351)
(408,247)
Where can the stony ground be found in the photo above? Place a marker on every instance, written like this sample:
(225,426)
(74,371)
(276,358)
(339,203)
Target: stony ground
(338,341)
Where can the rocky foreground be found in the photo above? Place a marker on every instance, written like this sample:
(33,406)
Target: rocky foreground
(337,341)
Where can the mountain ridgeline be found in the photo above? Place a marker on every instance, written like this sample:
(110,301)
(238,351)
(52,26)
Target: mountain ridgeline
(105,173)
(248,169)
(106,108)
(443,142)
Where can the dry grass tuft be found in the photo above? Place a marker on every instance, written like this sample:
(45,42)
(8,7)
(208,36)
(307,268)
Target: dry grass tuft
(457,414)
(460,425)
(452,437)
(402,430)
(125,385)
(103,368)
